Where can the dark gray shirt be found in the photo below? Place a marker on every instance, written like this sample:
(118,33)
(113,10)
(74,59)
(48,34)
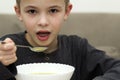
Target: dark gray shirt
(89,62)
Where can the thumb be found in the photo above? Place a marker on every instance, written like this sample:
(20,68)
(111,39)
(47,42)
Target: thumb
(8,43)
(8,40)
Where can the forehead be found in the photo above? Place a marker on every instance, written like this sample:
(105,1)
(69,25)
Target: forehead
(42,2)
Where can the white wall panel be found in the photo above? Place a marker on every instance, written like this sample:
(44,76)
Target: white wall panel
(112,6)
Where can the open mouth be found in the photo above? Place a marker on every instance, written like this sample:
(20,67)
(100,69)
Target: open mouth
(43,35)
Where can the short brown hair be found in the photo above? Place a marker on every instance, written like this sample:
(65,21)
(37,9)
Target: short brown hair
(18,2)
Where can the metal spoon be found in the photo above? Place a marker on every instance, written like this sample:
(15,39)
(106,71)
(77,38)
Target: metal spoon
(34,49)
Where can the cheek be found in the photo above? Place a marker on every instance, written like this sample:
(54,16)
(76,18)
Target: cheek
(58,22)
(28,24)
(56,26)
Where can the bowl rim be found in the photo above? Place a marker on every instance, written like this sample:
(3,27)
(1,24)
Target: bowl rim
(46,63)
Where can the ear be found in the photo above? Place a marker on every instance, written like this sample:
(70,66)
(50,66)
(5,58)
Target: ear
(68,10)
(18,13)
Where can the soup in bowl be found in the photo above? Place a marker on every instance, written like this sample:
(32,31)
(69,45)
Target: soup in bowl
(44,71)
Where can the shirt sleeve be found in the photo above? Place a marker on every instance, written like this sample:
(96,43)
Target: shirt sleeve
(7,73)
(101,65)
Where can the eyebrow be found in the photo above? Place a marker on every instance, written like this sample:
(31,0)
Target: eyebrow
(55,6)
(29,6)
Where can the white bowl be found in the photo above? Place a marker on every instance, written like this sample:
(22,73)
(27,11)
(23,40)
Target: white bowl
(44,71)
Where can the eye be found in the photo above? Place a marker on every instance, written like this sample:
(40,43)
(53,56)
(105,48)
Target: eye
(32,11)
(53,11)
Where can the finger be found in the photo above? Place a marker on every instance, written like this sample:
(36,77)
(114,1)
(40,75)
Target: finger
(8,40)
(7,44)
(6,60)
(9,61)
(7,57)
(1,55)
(8,52)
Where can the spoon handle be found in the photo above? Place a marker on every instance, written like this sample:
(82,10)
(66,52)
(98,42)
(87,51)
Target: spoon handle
(2,42)
(35,49)
(23,46)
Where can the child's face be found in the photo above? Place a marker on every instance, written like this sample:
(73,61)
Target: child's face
(43,19)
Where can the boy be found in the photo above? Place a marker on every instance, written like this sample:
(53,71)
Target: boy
(43,20)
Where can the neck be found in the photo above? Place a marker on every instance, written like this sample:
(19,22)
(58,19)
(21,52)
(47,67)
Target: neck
(52,47)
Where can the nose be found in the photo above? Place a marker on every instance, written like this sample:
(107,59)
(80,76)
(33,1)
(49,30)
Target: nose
(43,20)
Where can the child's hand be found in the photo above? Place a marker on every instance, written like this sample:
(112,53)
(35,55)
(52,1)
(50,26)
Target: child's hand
(7,52)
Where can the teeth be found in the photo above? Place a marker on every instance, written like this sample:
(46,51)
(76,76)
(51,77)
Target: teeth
(43,34)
